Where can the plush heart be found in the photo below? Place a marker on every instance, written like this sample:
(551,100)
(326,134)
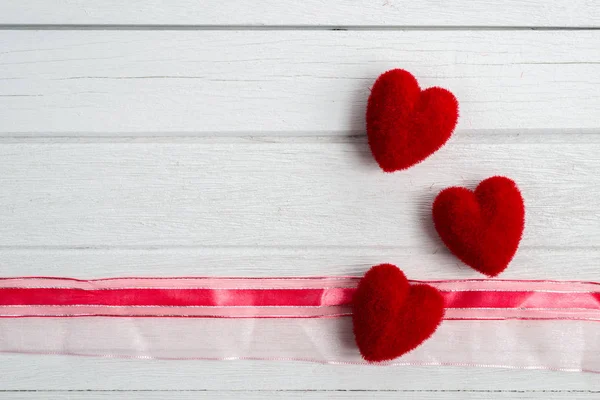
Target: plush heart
(406,125)
(391,317)
(482,228)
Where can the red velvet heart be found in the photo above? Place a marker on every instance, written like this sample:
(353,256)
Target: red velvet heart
(391,317)
(406,125)
(482,228)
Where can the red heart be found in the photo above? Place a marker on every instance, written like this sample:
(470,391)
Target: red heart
(391,317)
(406,125)
(482,228)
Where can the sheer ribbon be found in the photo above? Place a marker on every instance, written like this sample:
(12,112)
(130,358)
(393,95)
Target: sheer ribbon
(518,324)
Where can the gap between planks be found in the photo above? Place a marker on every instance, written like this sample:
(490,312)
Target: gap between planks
(435,263)
(182,82)
(152,27)
(304,394)
(63,373)
(311,13)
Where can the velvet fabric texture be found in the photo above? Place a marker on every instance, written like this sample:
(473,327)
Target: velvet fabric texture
(482,228)
(391,317)
(404,124)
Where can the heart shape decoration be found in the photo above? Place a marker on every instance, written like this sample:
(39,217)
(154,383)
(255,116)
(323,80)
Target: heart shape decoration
(391,317)
(482,228)
(406,125)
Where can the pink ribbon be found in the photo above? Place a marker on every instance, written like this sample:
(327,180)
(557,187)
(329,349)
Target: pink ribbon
(294,319)
(315,297)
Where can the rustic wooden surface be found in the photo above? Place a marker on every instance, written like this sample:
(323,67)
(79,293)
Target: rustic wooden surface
(183,137)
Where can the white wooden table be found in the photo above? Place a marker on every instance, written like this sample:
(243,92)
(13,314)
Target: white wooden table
(190,137)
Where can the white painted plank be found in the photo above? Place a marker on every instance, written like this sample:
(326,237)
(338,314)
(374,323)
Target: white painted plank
(337,394)
(286,193)
(287,82)
(558,13)
(22,372)
(417,262)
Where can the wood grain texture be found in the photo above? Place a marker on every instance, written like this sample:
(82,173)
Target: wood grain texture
(417,262)
(287,82)
(342,394)
(289,193)
(558,13)
(198,138)
(26,372)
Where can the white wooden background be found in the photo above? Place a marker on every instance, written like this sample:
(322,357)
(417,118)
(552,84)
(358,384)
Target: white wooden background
(190,137)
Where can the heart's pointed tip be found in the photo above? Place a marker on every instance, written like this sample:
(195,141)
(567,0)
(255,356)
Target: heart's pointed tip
(388,169)
(392,170)
(492,271)
(397,165)
(488,270)
(490,274)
